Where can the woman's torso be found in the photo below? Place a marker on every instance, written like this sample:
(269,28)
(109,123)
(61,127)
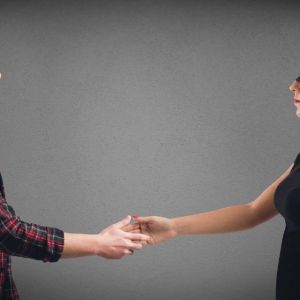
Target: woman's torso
(287,202)
(287,197)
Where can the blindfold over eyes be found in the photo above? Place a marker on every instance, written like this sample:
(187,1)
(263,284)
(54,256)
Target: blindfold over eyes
(298,79)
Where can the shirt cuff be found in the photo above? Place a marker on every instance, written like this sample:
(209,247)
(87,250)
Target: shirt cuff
(55,244)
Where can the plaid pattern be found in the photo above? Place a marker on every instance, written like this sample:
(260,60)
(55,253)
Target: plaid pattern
(24,239)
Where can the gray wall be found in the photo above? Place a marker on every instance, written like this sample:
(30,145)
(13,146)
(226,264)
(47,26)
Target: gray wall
(111,108)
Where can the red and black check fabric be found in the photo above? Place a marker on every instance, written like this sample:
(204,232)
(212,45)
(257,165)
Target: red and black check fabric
(24,239)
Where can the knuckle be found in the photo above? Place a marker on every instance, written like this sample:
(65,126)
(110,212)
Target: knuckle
(127,243)
(137,246)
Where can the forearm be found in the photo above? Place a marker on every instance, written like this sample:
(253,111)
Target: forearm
(228,219)
(77,244)
(20,238)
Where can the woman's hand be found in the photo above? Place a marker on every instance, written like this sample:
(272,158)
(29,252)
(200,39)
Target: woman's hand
(114,243)
(158,229)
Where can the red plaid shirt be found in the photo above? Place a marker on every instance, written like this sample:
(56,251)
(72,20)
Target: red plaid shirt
(23,239)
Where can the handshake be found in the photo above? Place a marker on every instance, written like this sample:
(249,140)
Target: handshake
(123,237)
(120,239)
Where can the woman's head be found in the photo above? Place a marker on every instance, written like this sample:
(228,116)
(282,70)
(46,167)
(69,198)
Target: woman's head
(295,88)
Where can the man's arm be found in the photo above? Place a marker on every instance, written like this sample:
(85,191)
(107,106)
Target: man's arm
(49,244)
(113,242)
(20,238)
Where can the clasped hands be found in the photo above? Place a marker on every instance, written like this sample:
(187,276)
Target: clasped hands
(123,238)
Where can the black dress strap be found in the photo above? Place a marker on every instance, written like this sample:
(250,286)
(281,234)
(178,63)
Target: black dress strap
(2,187)
(296,162)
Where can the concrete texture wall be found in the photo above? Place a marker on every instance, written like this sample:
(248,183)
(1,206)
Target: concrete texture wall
(109,108)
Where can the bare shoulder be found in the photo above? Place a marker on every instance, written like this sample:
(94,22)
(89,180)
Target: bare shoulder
(263,207)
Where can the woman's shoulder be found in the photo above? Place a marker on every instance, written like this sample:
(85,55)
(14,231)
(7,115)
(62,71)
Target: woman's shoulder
(295,161)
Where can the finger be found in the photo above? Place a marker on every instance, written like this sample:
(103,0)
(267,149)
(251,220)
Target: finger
(128,251)
(137,236)
(126,227)
(130,227)
(133,245)
(128,244)
(123,222)
(136,231)
(141,219)
(125,251)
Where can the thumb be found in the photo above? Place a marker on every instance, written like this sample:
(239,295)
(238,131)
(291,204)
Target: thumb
(139,219)
(123,222)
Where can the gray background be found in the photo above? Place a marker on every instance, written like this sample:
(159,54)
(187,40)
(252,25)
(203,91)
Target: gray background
(109,108)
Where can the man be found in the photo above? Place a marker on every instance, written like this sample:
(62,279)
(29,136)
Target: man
(49,244)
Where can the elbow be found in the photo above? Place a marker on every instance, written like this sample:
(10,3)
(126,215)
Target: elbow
(253,217)
(257,217)
(11,234)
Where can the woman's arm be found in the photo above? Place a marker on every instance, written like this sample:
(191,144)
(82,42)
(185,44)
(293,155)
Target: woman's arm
(233,218)
(228,219)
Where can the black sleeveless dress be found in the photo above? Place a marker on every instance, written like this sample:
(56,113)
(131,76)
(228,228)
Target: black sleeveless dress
(287,202)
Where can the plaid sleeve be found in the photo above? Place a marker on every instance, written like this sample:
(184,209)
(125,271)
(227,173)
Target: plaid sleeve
(24,239)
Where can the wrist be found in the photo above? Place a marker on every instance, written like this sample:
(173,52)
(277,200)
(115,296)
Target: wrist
(175,227)
(99,245)
(77,244)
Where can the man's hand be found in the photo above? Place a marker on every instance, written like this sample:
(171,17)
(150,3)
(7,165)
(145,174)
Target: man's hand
(114,243)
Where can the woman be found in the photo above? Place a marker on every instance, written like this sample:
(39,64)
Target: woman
(282,196)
